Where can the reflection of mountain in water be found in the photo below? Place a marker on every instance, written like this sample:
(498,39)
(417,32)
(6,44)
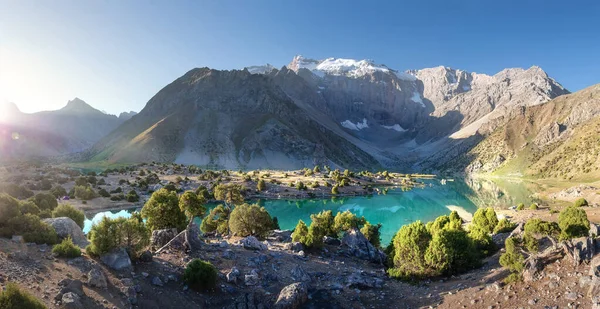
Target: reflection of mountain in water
(496,192)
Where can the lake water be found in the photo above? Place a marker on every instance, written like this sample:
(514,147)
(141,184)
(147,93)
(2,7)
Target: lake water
(397,207)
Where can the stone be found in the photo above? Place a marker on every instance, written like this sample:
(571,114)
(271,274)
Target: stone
(97,279)
(127,282)
(580,249)
(70,286)
(299,274)
(18,239)
(156,281)
(361,281)
(292,296)
(594,230)
(66,227)
(162,237)
(223,244)
(117,259)
(229,254)
(132,295)
(571,296)
(331,241)
(360,247)
(281,235)
(146,257)
(252,243)
(252,278)
(71,301)
(233,275)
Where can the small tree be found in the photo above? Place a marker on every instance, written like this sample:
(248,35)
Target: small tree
(324,221)
(521,206)
(58,191)
(45,201)
(15,298)
(346,220)
(132,196)
(248,220)
(533,206)
(110,234)
(67,210)
(513,260)
(231,194)
(573,222)
(192,204)
(162,211)
(410,244)
(335,190)
(29,207)
(200,275)
(372,233)
(300,232)
(581,202)
(217,220)
(261,185)
(451,252)
(300,185)
(485,219)
(317,169)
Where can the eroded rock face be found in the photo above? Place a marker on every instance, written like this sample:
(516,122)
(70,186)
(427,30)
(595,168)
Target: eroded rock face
(66,227)
(162,237)
(117,259)
(359,246)
(97,279)
(292,296)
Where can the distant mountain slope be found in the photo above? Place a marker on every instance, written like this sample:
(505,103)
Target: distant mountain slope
(73,128)
(557,139)
(227,119)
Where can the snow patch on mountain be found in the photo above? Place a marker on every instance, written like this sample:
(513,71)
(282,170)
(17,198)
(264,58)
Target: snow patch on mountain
(355,126)
(260,69)
(416,97)
(395,127)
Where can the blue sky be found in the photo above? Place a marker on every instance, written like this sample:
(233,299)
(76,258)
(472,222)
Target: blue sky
(117,54)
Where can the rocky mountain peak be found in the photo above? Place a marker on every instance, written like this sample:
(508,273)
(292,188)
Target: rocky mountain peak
(77,105)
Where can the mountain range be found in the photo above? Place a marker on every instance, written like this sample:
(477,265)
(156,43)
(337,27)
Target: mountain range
(343,113)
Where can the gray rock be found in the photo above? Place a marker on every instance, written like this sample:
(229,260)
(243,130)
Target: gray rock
(229,254)
(18,239)
(66,227)
(571,296)
(118,259)
(362,281)
(331,241)
(252,278)
(299,274)
(281,235)
(132,295)
(233,275)
(252,243)
(294,246)
(146,256)
(162,237)
(97,279)
(292,296)
(156,281)
(580,249)
(594,230)
(71,301)
(360,247)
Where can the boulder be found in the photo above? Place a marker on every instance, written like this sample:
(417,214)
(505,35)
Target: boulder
(66,227)
(331,241)
(156,281)
(162,237)
(117,259)
(594,230)
(292,296)
(500,238)
(70,286)
(252,278)
(294,246)
(233,275)
(361,281)
(299,274)
(360,247)
(281,235)
(580,249)
(146,257)
(252,243)
(71,301)
(97,279)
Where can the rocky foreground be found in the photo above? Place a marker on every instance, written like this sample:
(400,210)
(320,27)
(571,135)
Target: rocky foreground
(277,273)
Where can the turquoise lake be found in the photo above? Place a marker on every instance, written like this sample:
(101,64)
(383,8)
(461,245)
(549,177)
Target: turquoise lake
(394,209)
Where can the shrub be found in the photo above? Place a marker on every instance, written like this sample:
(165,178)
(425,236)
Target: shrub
(485,219)
(33,229)
(335,190)
(102,192)
(316,169)
(81,181)
(324,222)
(192,204)
(29,207)
(300,185)
(110,234)
(162,211)
(261,185)
(202,191)
(346,220)
(533,206)
(66,249)
(530,243)
(452,222)
(247,220)
(58,191)
(230,194)
(67,210)
(14,298)
(521,206)
(538,227)
(372,233)
(200,275)
(84,193)
(117,197)
(9,209)
(482,240)
(16,191)
(410,244)
(101,182)
(44,214)
(132,196)
(573,222)
(504,226)
(117,190)
(451,252)
(45,201)
(216,220)
(581,202)
(300,232)
(512,259)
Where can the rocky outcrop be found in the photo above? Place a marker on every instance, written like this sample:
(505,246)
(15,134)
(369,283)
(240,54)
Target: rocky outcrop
(252,243)
(579,249)
(162,237)
(97,279)
(359,246)
(66,227)
(292,296)
(117,259)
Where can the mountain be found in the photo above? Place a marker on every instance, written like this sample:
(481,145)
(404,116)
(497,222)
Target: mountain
(342,112)
(126,115)
(73,128)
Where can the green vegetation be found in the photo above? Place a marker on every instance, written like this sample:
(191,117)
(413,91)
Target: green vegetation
(132,196)
(573,222)
(247,220)
(504,226)
(58,191)
(217,220)
(14,298)
(581,202)
(533,206)
(372,233)
(110,234)
(67,210)
(32,229)
(66,249)
(192,204)
(300,232)
(162,211)
(29,207)
(230,194)
(521,206)
(45,201)
(84,193)
(346,220)
(261,185)
(200,275)
(513,260)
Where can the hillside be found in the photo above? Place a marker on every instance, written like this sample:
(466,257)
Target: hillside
(558,139)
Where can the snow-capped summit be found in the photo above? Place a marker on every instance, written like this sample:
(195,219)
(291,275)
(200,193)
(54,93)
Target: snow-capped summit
(344,67)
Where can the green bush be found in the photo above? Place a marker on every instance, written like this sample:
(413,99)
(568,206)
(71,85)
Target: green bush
(29,207)
(452,222)
(530,243)
(200,275)
(482,240)
(58,191)
(504,226)
(346,220)
(539,227)
(573,222)
(410,244)
(14,298)
(216,220)
(66,249)
(300,185)
(84,193)
(485,219)
(202,191)
(45,201)
(533,206)
(512,259)
(33,229)
(231,194)
(372,233)
(324,222)
(261,185)
(246,220)
(102,192)
(521,206)
(162,211)
(132,196)
(316,169)
(335,190)
(300,232)
(192,204)
(44,214)
(581,202)
(9,209)
(451,252)
(67,210)
(117,197)
(110,234)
